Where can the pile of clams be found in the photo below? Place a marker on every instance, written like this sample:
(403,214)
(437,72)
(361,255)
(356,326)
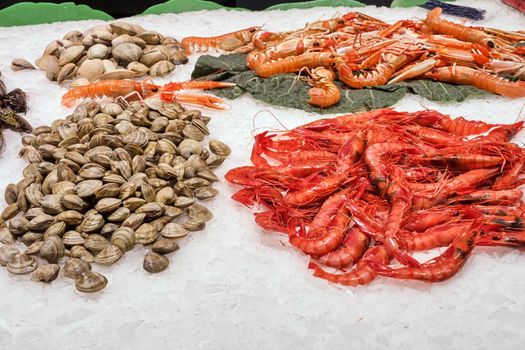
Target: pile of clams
(117,50)
(103,180)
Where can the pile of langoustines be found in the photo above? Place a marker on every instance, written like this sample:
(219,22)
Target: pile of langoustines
(106,178)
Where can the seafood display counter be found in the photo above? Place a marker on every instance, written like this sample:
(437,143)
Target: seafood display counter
(350,177)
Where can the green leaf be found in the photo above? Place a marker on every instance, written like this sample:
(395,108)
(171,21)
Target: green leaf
(223,66)
(179,6)
(316,3)
(288,90)
(26,13)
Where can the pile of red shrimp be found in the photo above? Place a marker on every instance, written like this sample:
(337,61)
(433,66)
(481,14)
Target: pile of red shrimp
(361,191)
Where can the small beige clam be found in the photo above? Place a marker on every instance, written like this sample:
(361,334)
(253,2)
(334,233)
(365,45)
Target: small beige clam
(99,51)
(92,222)
(165,195)
(7,252)
(126,53)
(21,264)
(134,203)
(66,72)
(10,194)
(145,234)
(205,192)
(21,64)
(109,255)
(90,282)
(183,202)
(95,242)
(120,27)
(52,249)
(124,238)
(138,68)
(219,148)
(82,253)
(88,188)
(161,68)
(194,225)
(6,237)
(112,109)
(70,217)
(73,202)
(74,267)
(51,204)
(119,215)
(46,273)
(30,237)
(91,69)
(34,248)
(41,222)
(165,246)
(72,238)
(199,212)
(154,262)
(57,229)
(134,220)
(64,187)
(45,61)
(79,82)
(71,54)
(151,209)
(118,74)
(109,190)
(173,230)
(107,205)
(172,211)
(10,211)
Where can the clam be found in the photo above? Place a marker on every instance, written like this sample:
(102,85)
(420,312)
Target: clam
(52,249)
(127,190)
(91,69)
(145,234)
(97,51)
(7,252)
(164,246)
(71,54)
(90,282)
(194,225)
(124,238)
(70,217)
(134,203)
(21,64)
(199,212)
(134,220)
(193,132)
(34,248)
(45,61)
(73,202)
(150,37)
(161,68)
(173,230)
(120,28)
(112,109)
(138,68)
(57,229)
(172,211)
(126,53)
(107,205)
(109,65)
(79,82)
(6,237)
(118,74)
(33,213)
(87,188)
(119,215)
(121,39)
(219,148)
(189,147)
(154,263)
(165,195)
(30,237)
(95,242)
(10,194)
(81,253)
(183,202)
(92,171)
(109,255)
(46,273)
(64,187)
(21,264)
(92,222)
(66,72)
(205,192)
(148,193)
(74,267)
(72,238)
(41,222)
(109,190)
(51,204)
(151,209)
(154,54)
(10,211)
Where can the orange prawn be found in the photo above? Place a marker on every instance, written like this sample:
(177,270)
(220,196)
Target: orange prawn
(441,26)
(227,42)
(480,79)
(362,274)
(324,93)
(295,63)
(110,88)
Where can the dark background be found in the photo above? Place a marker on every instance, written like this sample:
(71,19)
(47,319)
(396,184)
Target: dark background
(133,7)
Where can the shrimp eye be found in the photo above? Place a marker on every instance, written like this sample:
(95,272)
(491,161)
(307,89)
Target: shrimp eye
(490,44)
(316,44)
(155,89)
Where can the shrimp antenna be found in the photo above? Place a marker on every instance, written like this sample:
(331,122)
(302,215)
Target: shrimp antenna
(273,115)
(519,118)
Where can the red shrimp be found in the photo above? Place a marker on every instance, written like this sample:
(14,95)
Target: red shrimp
(317,190)
(351,250)
(330,239)
(509,178)
(440,268)
(422,220)
(295,64)
(506,239)
(491,196)
(457,126)
(361,274)
(350,152)
(227,42)
(437,236)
